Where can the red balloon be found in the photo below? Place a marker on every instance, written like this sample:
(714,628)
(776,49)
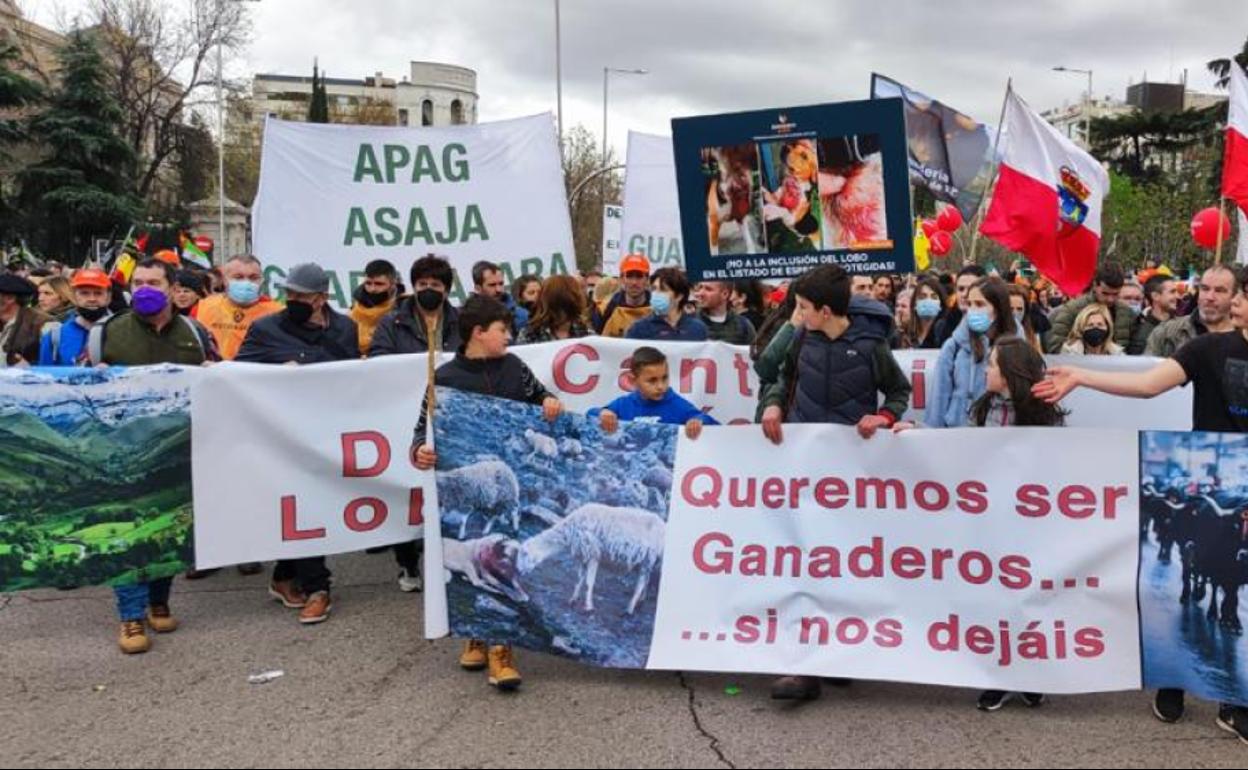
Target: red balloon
(949,219)
(941,243)
(930,227)
(1205,227)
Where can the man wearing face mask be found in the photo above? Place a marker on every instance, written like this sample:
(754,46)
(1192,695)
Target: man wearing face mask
(65,343)
(308,331)
(230,315)
(152,333)
(424,316)
(375,298)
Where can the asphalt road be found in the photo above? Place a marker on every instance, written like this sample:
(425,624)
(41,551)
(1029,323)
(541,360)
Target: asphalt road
(365,690)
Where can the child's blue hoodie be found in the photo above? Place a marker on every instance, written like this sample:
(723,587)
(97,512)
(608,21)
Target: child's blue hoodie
(672,409)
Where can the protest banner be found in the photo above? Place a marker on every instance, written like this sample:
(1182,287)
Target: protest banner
(611,219)
(774,193)
(344,195)
(651,210)
(96,476)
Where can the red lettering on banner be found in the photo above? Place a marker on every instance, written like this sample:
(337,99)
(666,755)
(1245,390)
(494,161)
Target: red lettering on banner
(560,369)
(743,375)
(351,514)
(350,459)
(918,384)
(416,507)
(290,524)
(1075,501)
(626,375)
(709,369)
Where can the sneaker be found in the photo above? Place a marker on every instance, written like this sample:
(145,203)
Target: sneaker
(474,657)
(317,609)
(993,700)
(285,592)
(134,639)
(411,581)
(161,620)
(250,568)
(1033,699)
(1234,719)
(1168,705)
(503,673)
(803,688)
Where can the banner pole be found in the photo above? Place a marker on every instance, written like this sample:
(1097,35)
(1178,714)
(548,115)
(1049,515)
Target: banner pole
(1221,214)
(992,181)
(431,393)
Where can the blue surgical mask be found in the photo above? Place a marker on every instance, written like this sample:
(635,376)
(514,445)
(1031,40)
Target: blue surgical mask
(660,303)
(1018,321)
(243,293)
(928,308)
(978,321)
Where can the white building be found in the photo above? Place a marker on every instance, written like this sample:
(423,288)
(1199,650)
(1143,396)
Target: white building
(432,95)
(1072,119)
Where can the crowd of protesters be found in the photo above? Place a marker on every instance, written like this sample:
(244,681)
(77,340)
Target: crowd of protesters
(821,346)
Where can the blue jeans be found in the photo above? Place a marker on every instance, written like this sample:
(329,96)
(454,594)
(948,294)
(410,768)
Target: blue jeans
(133,600)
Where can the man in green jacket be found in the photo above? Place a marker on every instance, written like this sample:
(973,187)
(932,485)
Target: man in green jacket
(1105,289)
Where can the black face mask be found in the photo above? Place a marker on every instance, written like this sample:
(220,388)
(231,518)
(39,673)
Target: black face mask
(429,299)
(1094,338)
(372,299)
(92,314)
(299,312)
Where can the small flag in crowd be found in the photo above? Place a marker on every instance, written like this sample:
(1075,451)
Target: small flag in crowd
(192,253)
(1047,204)
(1235,159)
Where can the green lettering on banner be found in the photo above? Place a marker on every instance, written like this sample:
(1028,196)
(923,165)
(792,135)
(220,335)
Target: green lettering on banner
(474,224)
(388,220)
(659,250)
(273,276)
(555,264)
(425,165)
(455,170)
(366,165)
(357,227)
(418,228)
(452,227)
(397,157)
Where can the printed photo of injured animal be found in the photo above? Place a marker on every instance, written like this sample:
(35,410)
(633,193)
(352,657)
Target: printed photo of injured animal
(791,209)
(552,533)
(733,202)
(851,190)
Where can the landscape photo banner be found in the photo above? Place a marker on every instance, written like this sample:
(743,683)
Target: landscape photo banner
(941,557)
(774,193)
(95,475)
(342,196)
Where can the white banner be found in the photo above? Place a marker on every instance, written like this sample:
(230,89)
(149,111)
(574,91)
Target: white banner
(651,212)
(943,557)
(611,223)
(344,195)
(1242,256)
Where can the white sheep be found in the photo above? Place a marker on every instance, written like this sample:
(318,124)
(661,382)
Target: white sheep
(571,447)
(489,488)
(542,444)
(593,533)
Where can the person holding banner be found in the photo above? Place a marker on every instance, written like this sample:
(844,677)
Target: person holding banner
(835,371)
(424,320)
(1216,365)
(483,365)
(961,371)
(308,331)
(152,334)
(652,399)
(669,321)
(630,304)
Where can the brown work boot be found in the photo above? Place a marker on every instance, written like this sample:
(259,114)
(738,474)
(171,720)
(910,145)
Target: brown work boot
(161,620)
(134,639)
(473,657)
(285,592)
(503,673)
(317,609)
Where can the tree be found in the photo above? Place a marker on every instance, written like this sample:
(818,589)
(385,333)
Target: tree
(1222,67)
(373,112)
(197,161)
(318,106)
(17,92)
(83,188)
(582,158)
(162,66)
(242,151)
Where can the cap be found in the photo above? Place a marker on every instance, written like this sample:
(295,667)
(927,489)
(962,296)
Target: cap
(307,278)
(635,263)
(90,277)
(168,255)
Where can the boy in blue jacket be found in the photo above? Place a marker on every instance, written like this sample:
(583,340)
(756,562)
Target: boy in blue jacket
(652,399)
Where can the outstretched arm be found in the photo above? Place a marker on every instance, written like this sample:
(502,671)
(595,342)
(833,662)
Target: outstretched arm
(1061,380)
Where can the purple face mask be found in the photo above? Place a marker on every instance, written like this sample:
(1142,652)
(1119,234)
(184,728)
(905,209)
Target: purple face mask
(149,301)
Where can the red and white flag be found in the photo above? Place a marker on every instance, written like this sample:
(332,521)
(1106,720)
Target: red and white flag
(1235,159)
(1047,203)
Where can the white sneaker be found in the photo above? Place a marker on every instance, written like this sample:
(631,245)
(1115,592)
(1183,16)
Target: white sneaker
(410,582)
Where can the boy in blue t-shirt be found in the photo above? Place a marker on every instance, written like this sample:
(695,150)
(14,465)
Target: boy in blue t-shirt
(653,399)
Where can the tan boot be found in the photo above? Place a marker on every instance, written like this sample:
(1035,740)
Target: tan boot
(285,592)
(317,609)
(503,673)
(134,639)
(473,657)
(161,620)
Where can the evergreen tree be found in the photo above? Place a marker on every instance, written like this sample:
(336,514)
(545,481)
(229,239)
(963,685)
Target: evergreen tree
(16,92)
(85,186)
(318,108)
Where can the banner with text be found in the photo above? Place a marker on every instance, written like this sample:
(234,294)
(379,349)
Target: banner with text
(651,210)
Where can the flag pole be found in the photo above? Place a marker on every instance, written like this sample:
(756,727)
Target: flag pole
(1221,214)
(431,393)
(996,145)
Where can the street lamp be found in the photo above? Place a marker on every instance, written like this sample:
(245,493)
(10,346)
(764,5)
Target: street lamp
(606,74)
(1087,110)
(559,78)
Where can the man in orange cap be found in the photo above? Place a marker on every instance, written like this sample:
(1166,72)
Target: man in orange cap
(630,304)
(65,343)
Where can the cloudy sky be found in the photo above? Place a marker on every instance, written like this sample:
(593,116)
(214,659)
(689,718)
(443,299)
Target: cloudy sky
(706,57)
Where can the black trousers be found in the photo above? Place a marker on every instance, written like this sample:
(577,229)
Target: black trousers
(408,555)
(310,574)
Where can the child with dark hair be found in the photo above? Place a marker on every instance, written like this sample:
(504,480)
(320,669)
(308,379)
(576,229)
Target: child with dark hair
(652,399)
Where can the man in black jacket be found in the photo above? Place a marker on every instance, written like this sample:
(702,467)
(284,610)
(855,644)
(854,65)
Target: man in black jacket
(407,328)
(308,331)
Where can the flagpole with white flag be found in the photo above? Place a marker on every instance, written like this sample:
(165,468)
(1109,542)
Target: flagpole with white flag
(1235,156)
